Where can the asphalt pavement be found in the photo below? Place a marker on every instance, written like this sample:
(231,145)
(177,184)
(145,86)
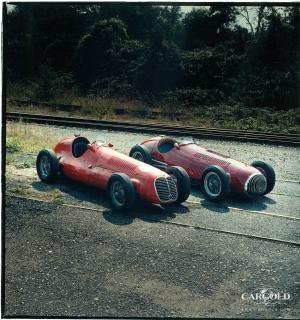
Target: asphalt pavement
(66,261)
(196,260)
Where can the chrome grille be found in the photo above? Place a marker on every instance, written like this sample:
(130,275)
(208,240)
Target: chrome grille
(256,184)
(166,189)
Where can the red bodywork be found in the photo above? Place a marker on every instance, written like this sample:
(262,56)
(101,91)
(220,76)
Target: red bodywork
(99,162)
(195,159)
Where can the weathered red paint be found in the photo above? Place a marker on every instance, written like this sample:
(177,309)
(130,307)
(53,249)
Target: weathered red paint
(99,162)
(194,159)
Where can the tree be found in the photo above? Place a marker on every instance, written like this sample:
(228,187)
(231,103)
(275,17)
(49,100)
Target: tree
(270,75)
(207,27)
(142,51)
(97,55)
(253,16)
(161,68)
(42,34)
(139,19)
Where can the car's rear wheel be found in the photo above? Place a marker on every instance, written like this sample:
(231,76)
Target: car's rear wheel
(214,183)
(121,192)
(47,165)
(140,153)
(182,181)
(269,173)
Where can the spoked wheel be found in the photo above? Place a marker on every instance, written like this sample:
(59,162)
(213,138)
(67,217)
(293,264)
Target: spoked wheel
(140,153)
(138,156)
(44,166)
(214,183)
(47,165)
(121,192)
(118,193)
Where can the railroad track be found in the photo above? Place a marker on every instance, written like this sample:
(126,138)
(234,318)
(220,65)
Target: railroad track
(210,133)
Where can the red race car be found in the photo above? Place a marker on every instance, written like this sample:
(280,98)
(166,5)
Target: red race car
(217,174)
(124,178)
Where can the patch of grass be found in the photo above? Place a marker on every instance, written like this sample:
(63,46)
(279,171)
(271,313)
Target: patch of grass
(92,105)
(74,98)
(219,116)
(30,138)
(57,197)
(20,161)
(19,190)
(20,91)
(23,165)
(97,108)
(13,145)
(58,201)
(10,159)
(240,118)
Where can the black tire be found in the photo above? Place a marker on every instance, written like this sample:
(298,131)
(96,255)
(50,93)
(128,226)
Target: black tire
(219,175)
(183,183)
(141,153)
(47,165)
(269,173)
(127,200)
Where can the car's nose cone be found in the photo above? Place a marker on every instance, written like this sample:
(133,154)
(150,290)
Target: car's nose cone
(166,189)
(256,184)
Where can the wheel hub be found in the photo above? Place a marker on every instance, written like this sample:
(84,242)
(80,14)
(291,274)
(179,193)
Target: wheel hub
(118,193)
(44,167)
(212,184)
(138,156)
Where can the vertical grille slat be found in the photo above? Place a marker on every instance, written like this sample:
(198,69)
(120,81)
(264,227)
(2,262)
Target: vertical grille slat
(166,189)
(257,184)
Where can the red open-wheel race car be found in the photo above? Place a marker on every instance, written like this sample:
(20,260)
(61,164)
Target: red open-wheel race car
(217,174)
(123,177)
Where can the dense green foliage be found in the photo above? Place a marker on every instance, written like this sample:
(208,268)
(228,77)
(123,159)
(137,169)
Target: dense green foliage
(157,54)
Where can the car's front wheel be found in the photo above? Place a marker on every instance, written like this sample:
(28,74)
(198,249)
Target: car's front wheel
(214,183)
(182,181)
(121,192)
(268,172)
(47,165)
(140,153)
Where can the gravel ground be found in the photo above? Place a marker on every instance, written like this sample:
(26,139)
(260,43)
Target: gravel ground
(72,262)
(285,160)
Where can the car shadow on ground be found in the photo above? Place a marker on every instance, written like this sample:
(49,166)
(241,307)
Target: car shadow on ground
(85,195)
(261,203)
(145,211)
(117,218)
(79,192)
